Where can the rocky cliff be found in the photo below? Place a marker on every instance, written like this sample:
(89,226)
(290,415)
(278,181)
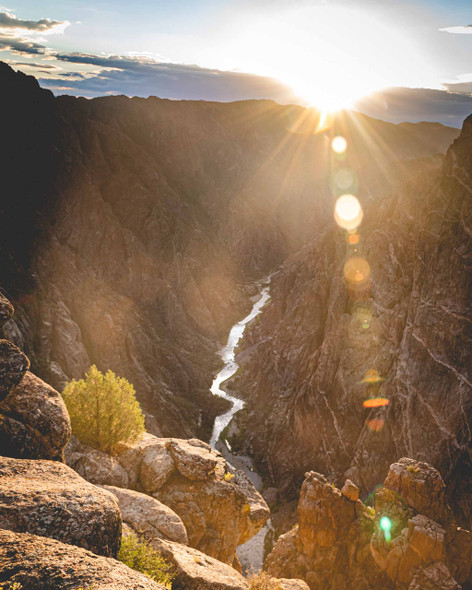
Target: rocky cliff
(318,351)
(131,229)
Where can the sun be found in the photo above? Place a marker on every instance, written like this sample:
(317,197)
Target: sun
(329,55)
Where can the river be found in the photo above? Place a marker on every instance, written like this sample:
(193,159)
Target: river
(250,554)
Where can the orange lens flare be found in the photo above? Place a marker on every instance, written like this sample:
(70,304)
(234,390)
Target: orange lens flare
(356,270)
(376,402)
(353,239)
(372,376)
(376,424)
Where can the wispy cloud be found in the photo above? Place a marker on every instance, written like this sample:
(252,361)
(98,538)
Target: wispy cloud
(459,30)
(21,45)
(11,22)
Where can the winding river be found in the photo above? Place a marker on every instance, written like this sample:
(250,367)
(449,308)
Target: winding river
(250,554)
(230,365)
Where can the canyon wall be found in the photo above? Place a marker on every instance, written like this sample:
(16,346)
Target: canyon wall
(132,229)
(307,365)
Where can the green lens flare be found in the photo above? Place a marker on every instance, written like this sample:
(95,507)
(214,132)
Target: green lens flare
(386,526)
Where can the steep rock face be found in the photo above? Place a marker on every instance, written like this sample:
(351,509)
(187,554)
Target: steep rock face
(340,543)
(37,563)
(148,218)
(49,499)
(304,365)
(219,506)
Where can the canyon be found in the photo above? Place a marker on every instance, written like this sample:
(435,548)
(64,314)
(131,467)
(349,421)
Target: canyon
(132,230)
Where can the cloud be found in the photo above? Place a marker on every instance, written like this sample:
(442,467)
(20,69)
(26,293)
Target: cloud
(417,104)
(460,30)
(141,76)
(21,45)
(9,21)
(462,84)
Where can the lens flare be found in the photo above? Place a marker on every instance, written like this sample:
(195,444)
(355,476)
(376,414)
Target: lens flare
(372,376)
(376,424)
(348,212)
(376,402)
(353,239)
(386,526)
(356,270)
(339,144)
(343,178)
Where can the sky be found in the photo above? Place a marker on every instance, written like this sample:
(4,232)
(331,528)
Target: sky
(327,53)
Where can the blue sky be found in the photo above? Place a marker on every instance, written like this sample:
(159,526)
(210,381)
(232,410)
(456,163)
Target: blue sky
(329,53)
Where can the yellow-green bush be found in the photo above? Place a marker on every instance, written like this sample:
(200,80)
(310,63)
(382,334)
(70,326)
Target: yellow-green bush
(262,581)
(140,556)
(103,410)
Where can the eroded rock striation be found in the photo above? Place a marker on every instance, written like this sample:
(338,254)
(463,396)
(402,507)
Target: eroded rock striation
(341,543)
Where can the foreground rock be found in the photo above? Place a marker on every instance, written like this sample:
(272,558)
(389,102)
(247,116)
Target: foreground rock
(339,542)
(49,499)
(196,571)
(37,563)
(34,423)
(219,507)
(149,517)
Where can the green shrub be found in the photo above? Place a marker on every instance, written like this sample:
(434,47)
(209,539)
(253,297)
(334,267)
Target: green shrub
(262,581)
(103,410)
(140,556)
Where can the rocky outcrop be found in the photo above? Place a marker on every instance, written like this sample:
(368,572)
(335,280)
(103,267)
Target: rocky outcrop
(219,506)
(195,570)
(37,563)
(34,422)
(305,365)
(149,517)
(340,543)
(133,238)
(49,499)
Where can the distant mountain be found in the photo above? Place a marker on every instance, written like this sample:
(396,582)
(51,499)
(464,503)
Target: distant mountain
(131,230)
(317,354)
(417,104)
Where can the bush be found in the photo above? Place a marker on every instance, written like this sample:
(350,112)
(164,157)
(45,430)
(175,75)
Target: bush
(103,410)
(140,556)
(262,581)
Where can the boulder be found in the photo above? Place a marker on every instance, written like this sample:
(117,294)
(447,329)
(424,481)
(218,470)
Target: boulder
(219,506)
(350,491)
(194,462)
(34,422)
(13,365)
(420,486)
(94,465)
(293,584)
(196,571)
(6,310)
(38,563)
(149,517)
(49,499)
(434,577)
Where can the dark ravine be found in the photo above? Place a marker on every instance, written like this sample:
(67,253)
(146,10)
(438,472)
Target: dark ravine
(132,230)
(303,363)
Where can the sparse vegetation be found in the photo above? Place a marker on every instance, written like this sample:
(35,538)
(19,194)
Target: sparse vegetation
(262,581)
(228,476)
(412,469)
(140,556)
(103,410)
